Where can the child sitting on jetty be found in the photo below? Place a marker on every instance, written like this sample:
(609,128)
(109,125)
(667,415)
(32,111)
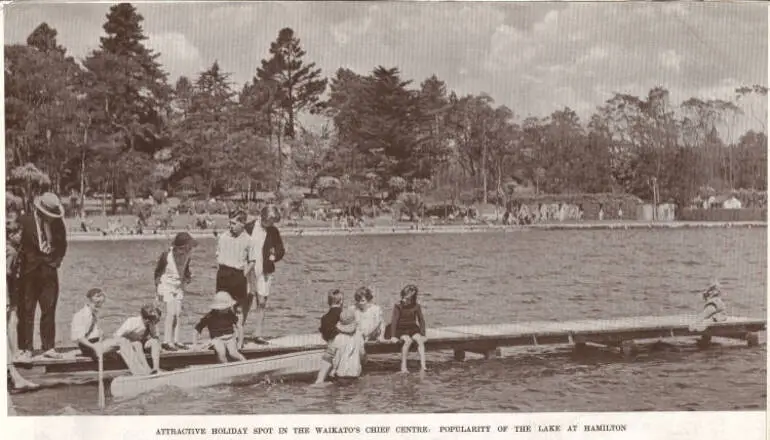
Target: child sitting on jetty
(224,328)
(172,274)
(714,309)
(138,334)
(345,352)
(368,315)
(329,320)
(84,329)
(408,325)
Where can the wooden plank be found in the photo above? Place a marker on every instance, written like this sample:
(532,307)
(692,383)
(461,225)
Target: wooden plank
(219,374)
(466,337)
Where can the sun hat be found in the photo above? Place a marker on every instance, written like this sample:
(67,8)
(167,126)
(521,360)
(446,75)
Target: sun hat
(347,323)
(222,301)
(182,239)
(49,205)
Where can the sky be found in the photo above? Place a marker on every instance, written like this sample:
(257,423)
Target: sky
(534,57)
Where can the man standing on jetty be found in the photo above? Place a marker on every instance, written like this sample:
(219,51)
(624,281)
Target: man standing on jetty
(43,246)
(235,258)
(269,250)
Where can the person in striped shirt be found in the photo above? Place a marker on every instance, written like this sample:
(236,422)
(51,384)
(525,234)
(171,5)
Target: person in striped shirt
(236,255)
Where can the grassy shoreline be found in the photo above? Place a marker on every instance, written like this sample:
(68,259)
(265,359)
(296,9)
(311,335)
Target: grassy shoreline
(402,229)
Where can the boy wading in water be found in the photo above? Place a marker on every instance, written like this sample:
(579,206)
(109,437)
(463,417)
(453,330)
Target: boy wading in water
(224,328)
(345,352)
(408,325)
(268,250)
(172,274)
(329,320)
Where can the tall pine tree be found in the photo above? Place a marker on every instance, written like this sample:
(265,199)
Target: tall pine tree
(298,85)
(129,99)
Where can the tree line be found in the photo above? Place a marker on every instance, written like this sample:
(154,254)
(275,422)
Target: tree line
(115,123)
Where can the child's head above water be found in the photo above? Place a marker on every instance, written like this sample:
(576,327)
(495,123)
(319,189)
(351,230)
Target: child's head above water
(363,296)
(409,294)
(334,298)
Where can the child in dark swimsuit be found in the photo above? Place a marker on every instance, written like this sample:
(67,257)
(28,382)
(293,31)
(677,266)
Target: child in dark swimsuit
(224,328)
(714,309)
(408,325)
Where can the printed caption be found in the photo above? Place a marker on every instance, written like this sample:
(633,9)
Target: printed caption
(268,431)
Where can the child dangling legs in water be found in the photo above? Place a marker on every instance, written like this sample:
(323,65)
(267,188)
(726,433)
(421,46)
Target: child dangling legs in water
(408,325)
(714,309)
(172,274)
(224,328)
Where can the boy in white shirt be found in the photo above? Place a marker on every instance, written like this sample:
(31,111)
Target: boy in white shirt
(138,334)
(84,329)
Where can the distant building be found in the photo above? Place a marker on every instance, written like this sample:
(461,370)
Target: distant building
(732,203)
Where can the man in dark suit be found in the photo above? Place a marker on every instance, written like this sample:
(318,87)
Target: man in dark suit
(43,246)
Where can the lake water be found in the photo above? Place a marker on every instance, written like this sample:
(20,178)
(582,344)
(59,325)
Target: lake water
(476,278)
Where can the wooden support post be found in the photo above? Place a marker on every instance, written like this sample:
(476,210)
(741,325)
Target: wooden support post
(580,347)
(459,355)
(704,342)
(492,353)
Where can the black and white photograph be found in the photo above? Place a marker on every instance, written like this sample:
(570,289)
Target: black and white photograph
(359,208)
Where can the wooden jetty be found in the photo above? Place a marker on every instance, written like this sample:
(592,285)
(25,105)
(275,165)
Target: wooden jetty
(483,339)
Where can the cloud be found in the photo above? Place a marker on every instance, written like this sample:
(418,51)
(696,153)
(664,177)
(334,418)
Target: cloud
(532,57)
(671,60)
(177,54)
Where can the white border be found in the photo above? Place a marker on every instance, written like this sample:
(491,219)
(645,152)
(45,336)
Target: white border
(701,425)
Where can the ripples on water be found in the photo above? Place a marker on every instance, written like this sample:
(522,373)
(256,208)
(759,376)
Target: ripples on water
(464,278)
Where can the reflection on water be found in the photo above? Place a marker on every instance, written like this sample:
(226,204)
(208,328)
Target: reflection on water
(471,278)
